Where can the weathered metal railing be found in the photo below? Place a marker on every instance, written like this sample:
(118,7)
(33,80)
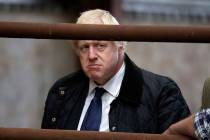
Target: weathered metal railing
(193,34)
(44,134)
(199,34)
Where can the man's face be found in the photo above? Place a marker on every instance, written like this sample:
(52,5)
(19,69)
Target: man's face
(100,60)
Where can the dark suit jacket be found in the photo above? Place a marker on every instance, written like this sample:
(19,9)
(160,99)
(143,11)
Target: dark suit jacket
(147,103)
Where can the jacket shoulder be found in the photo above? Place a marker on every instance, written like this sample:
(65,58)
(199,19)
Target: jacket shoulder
(157,80)
(70,79)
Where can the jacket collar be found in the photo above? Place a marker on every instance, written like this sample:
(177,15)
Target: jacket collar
(132,84)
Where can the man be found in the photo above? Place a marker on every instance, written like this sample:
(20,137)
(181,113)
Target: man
(131,99)
(195,126)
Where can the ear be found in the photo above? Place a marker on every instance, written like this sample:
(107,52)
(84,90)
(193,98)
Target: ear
(121,49)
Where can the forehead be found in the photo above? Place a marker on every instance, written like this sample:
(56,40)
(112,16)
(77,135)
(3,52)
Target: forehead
(82,42)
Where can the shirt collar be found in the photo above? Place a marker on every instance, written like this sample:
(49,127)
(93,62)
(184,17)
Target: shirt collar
(113,85)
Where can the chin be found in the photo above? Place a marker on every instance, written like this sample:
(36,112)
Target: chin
(95,77)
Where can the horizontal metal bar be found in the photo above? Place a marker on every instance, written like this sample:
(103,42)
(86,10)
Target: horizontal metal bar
(193,34)
(44,134)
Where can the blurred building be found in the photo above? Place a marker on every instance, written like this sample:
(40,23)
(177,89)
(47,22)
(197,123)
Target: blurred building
(29,67)
(168,11)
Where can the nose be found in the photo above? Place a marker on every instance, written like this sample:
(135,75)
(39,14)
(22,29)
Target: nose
(92,53)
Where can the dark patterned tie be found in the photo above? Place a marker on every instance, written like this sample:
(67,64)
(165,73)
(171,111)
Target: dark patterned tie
(92,119)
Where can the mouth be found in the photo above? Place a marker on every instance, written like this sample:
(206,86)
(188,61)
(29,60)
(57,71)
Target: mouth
(93,67)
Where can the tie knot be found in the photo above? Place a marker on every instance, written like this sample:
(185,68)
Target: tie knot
(99,92)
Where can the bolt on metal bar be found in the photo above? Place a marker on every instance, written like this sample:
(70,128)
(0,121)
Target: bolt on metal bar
(44,134)
(66,31)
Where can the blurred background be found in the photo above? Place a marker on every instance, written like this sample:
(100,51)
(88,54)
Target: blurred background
(29,67)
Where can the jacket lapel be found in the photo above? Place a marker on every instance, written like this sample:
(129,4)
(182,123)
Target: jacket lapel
(132,84)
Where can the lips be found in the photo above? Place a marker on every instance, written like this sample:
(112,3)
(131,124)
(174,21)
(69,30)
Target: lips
(94,67)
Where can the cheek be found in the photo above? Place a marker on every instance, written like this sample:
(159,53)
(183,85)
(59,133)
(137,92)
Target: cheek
(111,60)
(82,61)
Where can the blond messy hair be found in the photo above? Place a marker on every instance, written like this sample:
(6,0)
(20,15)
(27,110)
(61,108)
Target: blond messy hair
(99,16)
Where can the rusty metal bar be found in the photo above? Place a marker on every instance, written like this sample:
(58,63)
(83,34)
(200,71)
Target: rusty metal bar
(193,34)
(44,134)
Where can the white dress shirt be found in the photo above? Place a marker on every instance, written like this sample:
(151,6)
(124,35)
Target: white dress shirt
(112,87)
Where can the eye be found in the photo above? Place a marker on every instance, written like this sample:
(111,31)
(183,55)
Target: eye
(101,47)
(83,48)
